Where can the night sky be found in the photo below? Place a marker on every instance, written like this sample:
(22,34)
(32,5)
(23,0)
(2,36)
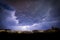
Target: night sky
(29,14)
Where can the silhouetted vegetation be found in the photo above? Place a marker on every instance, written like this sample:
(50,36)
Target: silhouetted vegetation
(53,29)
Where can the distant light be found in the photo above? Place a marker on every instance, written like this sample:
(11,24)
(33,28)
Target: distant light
(23,28)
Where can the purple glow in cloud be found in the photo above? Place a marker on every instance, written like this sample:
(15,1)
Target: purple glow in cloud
(31,15)
(7,17)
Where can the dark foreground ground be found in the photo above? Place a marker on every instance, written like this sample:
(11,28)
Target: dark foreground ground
(24,36)
(50,34)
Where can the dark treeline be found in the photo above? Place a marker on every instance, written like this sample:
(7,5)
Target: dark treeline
(52,29)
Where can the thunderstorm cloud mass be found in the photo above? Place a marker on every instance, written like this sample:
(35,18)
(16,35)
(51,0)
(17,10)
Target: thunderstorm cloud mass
(29,14)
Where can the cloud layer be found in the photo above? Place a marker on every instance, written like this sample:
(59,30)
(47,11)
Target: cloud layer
(7,16)
(45,13)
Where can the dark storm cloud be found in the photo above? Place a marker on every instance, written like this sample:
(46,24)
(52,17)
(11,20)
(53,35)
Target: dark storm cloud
(38,10)
(45,13)
(7,16)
